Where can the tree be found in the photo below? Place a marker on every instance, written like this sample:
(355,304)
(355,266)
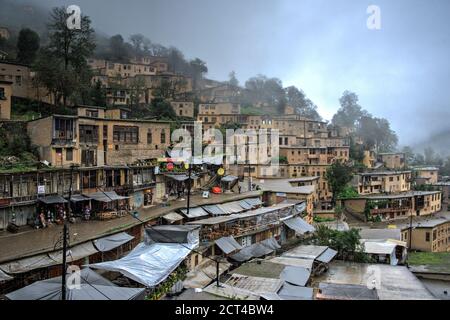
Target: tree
(62,65)
(118,49)
(199,68)
(233,80)
(98,95)
(137,90)
(350,111)
(303,106)
(137,41)
(338,176)
(27,46)
(161,109)
(409,154)
(267,91)
(346,243)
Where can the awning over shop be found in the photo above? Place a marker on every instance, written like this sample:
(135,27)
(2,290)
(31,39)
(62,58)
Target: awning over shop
(111,242)
(228,244)
(173,217)
(92,287)
(4,276)
(79,198)
(75,253)
(28,264)
(299,225)
(149,264)
(106,196)
(327,255)
(256,250)
(52,200)
(194,212)
(215,210)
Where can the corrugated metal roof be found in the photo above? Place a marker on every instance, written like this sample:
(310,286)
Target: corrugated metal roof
(195,212)
(299,225)
(327,256)
(228,244)
(215,210)
(231,207)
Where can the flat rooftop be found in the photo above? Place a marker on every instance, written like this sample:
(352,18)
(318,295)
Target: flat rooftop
(392,282)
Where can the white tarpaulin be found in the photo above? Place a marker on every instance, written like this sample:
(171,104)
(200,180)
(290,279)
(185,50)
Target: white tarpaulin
(149,264)
(92,287)
(111,242)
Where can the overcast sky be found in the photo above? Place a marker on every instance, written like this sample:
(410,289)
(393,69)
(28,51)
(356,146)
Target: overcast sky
(324,47)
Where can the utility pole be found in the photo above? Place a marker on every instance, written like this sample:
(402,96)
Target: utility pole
(248,165)
(189,188)
(65,236)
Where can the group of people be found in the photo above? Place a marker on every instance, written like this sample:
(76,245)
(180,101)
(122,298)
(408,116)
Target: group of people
(47,216)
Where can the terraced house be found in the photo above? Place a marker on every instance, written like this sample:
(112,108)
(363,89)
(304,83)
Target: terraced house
(96,137)
(382,182)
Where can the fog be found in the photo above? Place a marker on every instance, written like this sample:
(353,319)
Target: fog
(400,72)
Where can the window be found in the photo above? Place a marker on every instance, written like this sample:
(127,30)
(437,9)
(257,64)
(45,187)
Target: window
(19,80)
(92,113)
(124,134)
(89,179)
(69,154)
(88,134)
(163,136)
(427,237)
(149,136)
(2,94)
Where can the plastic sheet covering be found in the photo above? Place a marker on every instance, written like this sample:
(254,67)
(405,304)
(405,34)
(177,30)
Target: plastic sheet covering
(327,256)
(74,253)
(300,207)
(149,264)
(4,276)
(173,234)
(111,242)
(256,250)
(291,292)
(195,212)
(298,276)
(92,287)
(299,225)
(172,217)
(228,244)
(271,244)
(28,264)
(79,198)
